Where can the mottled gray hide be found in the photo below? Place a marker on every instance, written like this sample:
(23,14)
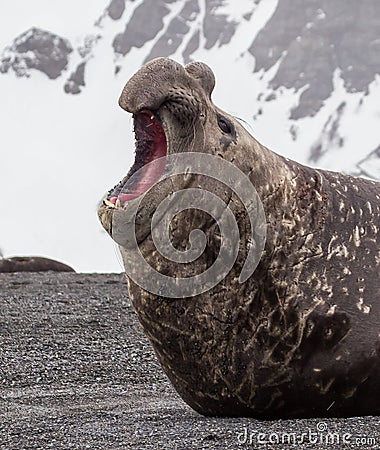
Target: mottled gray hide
(300,337)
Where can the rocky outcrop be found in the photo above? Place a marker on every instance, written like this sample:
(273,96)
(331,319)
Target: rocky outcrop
(217,28)
(311,39)
(330,135)
(76,80)
(147,20)
(116,9)
(37,49)
(178,28)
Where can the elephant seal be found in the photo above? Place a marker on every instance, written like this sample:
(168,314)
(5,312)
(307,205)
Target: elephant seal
(32,264)
(301,336)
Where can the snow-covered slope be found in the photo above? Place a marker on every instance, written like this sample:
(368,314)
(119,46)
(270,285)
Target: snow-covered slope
(303,74)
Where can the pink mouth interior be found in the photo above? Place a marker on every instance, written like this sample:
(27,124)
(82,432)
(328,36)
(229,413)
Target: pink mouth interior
(150,146)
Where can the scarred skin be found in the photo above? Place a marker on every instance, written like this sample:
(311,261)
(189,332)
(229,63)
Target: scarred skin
(300,338)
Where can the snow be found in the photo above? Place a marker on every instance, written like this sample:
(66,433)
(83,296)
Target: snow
(60,153)
(52,15)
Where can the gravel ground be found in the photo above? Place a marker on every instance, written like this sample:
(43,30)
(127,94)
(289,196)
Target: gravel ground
(76,371)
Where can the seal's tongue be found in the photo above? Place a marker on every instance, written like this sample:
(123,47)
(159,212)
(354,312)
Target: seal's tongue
(150,147)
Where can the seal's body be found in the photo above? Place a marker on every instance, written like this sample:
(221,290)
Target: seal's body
(301,336)
(32,264)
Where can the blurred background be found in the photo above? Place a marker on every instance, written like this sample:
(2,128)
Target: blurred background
(303,74)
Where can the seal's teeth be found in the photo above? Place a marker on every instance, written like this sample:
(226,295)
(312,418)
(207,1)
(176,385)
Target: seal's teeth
(106,202)
(152,117)
(118,203)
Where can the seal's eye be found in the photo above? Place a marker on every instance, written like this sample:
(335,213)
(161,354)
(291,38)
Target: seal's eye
(225,125)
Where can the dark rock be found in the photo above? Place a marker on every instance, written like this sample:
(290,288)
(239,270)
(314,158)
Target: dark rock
(32,264)
(76,80)
(314,38)
(116,9)
(217,27)
(37,49)
(272,96)
(191,47)
(169,42)
(330,135)
(147,20)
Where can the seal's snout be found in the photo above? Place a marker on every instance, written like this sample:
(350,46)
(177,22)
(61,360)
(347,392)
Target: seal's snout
(149,87)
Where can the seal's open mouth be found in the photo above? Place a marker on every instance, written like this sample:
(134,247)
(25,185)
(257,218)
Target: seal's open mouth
(151,147)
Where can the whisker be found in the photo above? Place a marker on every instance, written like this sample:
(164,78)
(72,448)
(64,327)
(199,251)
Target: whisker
(248,125)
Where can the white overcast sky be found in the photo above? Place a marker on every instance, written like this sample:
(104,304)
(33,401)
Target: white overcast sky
(68,18)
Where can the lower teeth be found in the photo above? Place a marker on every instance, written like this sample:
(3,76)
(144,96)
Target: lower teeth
(110,204)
